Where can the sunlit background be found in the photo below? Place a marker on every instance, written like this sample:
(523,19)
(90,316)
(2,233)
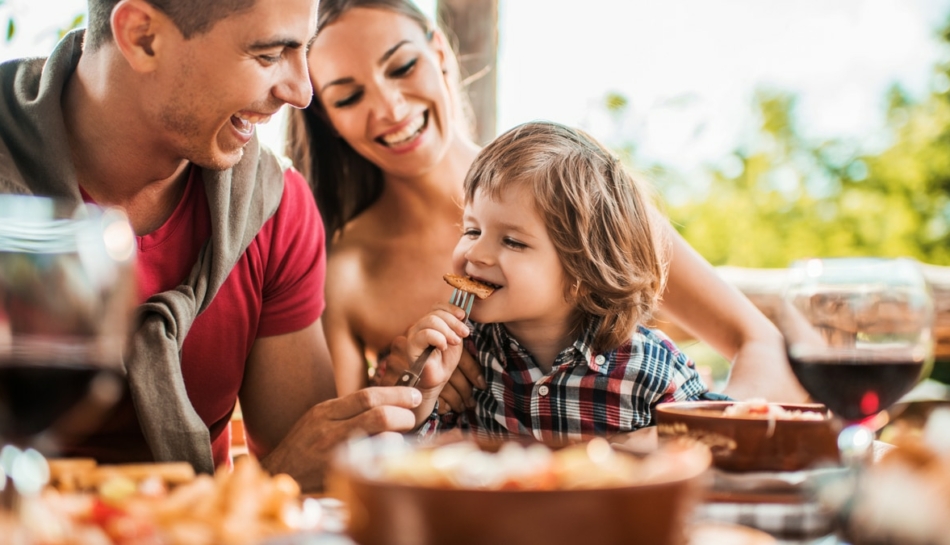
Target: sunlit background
(687,68)
(772,129)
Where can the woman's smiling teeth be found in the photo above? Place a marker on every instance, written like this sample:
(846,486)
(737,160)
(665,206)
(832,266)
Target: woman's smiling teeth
(407,133)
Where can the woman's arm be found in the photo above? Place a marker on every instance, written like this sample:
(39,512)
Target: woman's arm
(717,313)
(346,350)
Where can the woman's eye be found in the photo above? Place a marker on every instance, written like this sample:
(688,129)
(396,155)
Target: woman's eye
(404,69)
(349,100)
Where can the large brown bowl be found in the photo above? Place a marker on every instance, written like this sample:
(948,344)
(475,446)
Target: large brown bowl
(388,513)
(741,443)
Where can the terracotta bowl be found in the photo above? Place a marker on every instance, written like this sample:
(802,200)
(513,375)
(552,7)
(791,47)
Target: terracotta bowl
(389,513)
(743,443)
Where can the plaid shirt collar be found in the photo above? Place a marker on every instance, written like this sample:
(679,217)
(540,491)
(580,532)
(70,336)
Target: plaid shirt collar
(576,354)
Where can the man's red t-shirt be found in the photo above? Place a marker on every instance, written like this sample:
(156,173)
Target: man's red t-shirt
(276,287)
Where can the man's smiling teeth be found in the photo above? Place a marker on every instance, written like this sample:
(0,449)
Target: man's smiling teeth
(246,122)
(407,133)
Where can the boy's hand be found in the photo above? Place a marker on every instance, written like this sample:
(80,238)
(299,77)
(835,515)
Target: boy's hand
(444,329)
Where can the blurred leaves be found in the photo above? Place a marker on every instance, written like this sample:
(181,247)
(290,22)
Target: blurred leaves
(11,29)
(615,102)
(781,197)
(77,22)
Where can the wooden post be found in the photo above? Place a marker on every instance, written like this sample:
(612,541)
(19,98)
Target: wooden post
(474,23)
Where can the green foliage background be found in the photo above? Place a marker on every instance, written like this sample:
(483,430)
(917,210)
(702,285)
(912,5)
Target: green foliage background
(785,197)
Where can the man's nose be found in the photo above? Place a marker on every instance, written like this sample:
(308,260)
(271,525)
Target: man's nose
(295,88)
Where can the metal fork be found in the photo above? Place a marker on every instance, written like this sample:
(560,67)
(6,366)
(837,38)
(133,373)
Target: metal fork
(410,377)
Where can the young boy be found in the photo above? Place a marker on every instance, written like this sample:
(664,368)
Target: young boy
(564,233)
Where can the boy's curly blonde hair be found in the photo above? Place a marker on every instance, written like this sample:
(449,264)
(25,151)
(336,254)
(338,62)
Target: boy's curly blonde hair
(598,216)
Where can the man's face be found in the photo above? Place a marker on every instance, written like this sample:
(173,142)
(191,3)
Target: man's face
(211,91)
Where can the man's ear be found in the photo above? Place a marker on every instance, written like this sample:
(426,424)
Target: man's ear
(138,29)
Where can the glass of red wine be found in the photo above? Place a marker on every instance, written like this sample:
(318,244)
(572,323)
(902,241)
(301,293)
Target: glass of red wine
(859,336)
(67,293)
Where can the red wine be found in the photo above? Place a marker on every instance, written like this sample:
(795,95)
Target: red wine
(34,396)
(856,387)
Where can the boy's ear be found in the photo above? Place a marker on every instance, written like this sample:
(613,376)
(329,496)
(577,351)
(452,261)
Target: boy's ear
(139,31)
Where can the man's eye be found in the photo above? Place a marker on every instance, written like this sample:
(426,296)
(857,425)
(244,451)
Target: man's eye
(404,69)
(348,101)
(269,59)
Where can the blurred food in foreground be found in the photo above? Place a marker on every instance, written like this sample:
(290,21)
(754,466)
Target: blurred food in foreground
(905,497)
(522,467)
(161,504)
(515,493)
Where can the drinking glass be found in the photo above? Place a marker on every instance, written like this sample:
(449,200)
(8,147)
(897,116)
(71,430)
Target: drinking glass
(858,332)
(67,293)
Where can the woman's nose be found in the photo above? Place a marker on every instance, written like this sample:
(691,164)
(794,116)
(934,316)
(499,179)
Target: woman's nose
(392,103)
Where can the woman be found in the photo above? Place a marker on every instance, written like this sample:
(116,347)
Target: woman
(386,146)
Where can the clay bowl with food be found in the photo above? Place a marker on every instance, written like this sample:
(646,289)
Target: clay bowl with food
(744,436)
(462,493)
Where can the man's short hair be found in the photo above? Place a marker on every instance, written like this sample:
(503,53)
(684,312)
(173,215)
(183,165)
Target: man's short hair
(192,17)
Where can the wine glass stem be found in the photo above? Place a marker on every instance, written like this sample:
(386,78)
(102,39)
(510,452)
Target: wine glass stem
(854,445)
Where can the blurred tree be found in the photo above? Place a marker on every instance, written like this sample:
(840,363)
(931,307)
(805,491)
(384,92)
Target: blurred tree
(783,197)
(10,24)
(791,198)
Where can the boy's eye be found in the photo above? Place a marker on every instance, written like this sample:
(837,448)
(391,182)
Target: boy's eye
(514,244)
(349,100)
(404,69)
(471,233)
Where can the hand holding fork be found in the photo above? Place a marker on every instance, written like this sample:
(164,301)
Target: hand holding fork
(461,299)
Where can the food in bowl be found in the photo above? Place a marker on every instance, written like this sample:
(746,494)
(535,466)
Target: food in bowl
(760,408)
(754,438)
(514,466)
(398,492)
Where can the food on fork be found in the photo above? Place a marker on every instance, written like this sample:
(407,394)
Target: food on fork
(469,284)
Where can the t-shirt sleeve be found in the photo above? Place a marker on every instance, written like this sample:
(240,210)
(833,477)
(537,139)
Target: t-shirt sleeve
(296,267)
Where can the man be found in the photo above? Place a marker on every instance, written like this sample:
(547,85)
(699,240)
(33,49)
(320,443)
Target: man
(155,113)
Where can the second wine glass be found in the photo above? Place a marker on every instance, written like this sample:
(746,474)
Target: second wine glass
(859,334)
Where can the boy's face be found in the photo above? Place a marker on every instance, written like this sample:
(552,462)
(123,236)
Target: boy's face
(504,242)
(210,92)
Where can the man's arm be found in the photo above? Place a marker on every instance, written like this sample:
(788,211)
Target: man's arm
(717,313)
(285,376)
(291,417)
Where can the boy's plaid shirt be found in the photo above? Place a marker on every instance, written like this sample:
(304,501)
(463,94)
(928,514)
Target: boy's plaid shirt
(584,395)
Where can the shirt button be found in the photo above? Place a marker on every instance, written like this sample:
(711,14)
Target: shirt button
(543,390)
(599,360)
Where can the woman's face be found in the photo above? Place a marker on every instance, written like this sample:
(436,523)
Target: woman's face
(381,81)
